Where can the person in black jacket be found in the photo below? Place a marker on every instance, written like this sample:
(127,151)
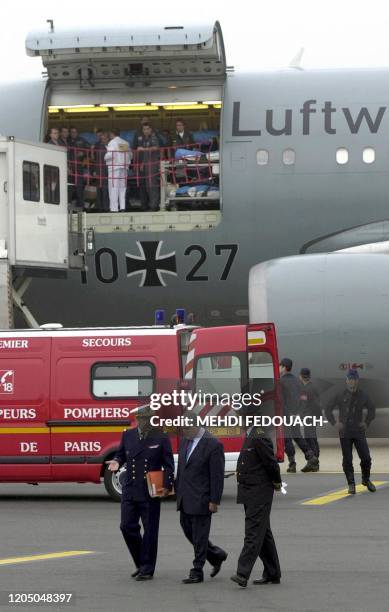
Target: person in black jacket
(144,449)
(182,137)
(290,392)
(199,488)
(258,475)
(77,156)
(310,407)
(356,412)
(101,171)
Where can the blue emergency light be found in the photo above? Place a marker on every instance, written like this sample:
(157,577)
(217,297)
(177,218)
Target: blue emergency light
(180,314)
(159,317)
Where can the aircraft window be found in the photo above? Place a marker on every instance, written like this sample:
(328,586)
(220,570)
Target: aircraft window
(124,379)
(51,184)
(342,156)
(31,182)
(289,157)
(368,155)
(262,157)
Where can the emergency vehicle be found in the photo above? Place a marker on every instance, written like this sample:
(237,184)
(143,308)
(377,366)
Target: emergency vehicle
(66,395)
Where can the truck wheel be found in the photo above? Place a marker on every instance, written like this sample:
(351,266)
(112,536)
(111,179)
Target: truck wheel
(113,482)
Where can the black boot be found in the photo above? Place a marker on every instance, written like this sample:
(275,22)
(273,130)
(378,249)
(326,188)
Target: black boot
(351,483)
(292,466)
(312,465)
(368,483)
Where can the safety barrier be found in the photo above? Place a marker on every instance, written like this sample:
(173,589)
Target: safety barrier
(173,164)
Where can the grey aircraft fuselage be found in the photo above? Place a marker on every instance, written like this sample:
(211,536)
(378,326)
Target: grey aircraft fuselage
(283,193)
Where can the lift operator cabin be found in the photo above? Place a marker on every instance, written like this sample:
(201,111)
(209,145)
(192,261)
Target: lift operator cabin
(35,234)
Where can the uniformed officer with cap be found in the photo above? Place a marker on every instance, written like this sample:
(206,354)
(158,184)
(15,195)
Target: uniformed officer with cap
(290,392)
(356,412)
(144,449)
(258,476)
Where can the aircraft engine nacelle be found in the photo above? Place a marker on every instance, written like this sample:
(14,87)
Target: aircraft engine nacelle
(331,313)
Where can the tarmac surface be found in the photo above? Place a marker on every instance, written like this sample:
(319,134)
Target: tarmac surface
(334,556)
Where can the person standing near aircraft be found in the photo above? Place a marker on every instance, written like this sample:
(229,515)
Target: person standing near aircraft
(118,159)
(309,407)
(258,476)
(144,449)
(356,412)
(199,488)
(290,391)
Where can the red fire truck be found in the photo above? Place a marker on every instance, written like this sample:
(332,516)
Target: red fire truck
(67,394)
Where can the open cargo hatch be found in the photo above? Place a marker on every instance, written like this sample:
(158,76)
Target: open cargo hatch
(134,57)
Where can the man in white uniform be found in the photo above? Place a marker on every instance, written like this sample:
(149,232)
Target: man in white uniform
(118,159)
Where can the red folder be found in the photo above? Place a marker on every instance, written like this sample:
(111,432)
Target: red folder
(155,483)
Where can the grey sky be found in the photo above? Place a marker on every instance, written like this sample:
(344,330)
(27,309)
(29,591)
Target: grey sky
(257,34)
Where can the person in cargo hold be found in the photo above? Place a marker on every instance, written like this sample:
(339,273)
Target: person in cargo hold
(118,159)
(148,155)
(144,449)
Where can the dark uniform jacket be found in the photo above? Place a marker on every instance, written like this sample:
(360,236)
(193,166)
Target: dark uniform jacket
(200,480)
(77,143)
(290,391)
(257,470)
(354,408)
(76,158)
(183,140)
(152,453)
(154,140)
(309,401)
(100,165)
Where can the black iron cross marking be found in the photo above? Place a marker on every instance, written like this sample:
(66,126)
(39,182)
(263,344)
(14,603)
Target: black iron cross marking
(150,264)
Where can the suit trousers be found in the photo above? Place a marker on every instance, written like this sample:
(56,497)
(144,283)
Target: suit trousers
(196,528)
(142,548)
(258,542)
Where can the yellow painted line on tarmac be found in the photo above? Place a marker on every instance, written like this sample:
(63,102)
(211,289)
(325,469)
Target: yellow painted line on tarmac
(328,498)
(55,555)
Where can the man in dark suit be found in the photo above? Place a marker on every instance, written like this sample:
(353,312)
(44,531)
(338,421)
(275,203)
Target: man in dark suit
(144,449)
(258,475)
(182,137)
(199,487)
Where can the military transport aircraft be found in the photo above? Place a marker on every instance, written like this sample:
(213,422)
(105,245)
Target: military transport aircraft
(302,167)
